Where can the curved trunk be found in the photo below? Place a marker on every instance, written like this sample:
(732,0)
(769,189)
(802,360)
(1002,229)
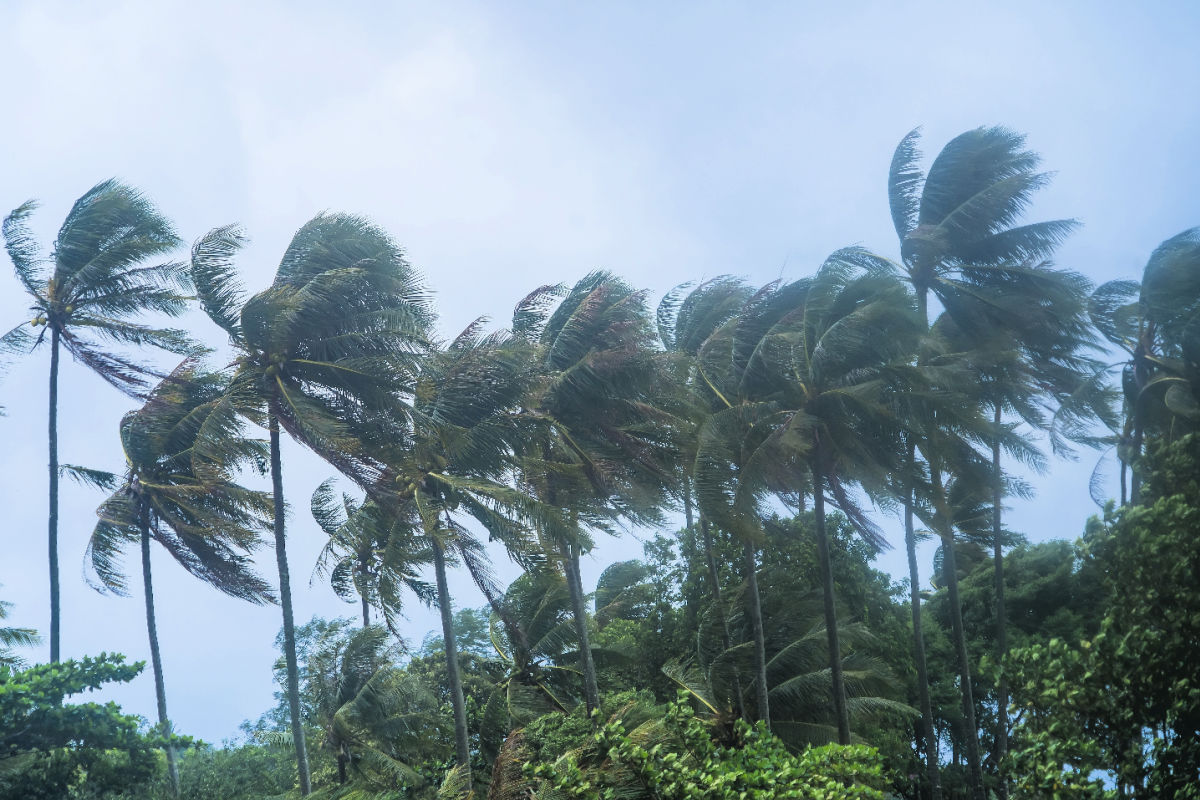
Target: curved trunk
(971,729)
(461,744)
(591,686)
(160,691)
(831,624)
(55,602)
(760,641)
(289,625)
(1001,619)
(914,583)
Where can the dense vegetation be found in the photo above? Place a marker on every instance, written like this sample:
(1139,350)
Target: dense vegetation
(753,652)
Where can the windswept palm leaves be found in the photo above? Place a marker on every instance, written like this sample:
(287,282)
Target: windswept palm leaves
(334,339)
(88,295)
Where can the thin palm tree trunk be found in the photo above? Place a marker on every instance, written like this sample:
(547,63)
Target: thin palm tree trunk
(831,624)
(971,729)
(591,687)
(914,583)
(160,689)
(461,744)
(760,639)
(289,624)
(714,582)
(1001,618)
(55,602)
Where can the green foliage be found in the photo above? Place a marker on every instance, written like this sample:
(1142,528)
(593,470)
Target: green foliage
(677,758)
(51,749)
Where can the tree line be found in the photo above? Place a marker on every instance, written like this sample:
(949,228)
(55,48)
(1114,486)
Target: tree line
(769,415)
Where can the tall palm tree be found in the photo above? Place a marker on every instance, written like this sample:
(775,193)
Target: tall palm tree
(372,554)
(603,451)
(334,339)
(687,317)
(450,457)
(818,357)
(88,296)
(960,242)
(174,492)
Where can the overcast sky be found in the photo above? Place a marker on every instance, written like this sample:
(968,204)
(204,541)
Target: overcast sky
(507,145)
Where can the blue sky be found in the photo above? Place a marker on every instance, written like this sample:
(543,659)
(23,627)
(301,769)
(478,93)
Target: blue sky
(511,145)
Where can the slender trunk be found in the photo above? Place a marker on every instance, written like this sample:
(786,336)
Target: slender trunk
(1001,619)
(831,624)
(289,624)
(364,593)
(1124,494)
(461,746)
(714,581)
(914,583)
(55,603)
(160,690)
(970,728)
(341,762)
(687,504)
(591,688)
(760,640)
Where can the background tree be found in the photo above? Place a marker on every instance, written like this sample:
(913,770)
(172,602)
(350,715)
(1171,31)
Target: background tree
(88,296)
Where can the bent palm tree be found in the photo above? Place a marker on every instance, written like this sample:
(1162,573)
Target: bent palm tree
(332,340)
(603,451)
(450,459)
(87,297)
(175,491)
(372,554)
(816,358)
(960,241)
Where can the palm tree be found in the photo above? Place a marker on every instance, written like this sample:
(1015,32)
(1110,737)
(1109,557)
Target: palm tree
(449,457)
(87,296)
(603,451)
(685,322)
(818,357)
(374,717)
(372,554)
(14,637)
(960,241)
(1155,324)
(174,492)
(332,340)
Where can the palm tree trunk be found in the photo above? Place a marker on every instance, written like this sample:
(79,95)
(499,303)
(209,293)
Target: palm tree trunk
(1001,619)
(160,690)
(366,611)
(970,728)
(461,744)
(914,583)
(55,602)
(714,581)
(760,639)
(591,687)
(289,624)
(831,624)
